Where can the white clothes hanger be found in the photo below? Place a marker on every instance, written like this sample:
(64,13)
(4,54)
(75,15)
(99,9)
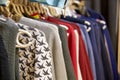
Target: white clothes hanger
(58,10)
(102,22)
(68,11)
(88,23)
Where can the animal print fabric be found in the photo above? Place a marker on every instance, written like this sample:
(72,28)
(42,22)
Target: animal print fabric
(35,61)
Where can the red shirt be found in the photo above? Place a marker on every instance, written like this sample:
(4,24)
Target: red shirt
(85,67)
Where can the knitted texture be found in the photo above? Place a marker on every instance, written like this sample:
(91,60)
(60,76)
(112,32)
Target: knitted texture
(8,31)
(35,61)
(4,66)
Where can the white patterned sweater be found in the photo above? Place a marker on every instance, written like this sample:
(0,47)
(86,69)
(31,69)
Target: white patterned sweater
(35,61)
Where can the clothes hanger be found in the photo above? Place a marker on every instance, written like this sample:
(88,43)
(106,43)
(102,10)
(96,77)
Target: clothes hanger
(30,9)
(19,45)
(102,22)
(8,2)
(39,8)
(25,2)
(1,9)
(47,12)
(13,9)
(21,8)
(26,11)
(6,12)
(36,8)
(54,11)
(43,10)
(69,11)
(18,8)
(88,24)
(57,11)
(33,9)
(17,4)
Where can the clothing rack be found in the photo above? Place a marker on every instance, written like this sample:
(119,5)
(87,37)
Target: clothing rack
(50,43)
(25,7)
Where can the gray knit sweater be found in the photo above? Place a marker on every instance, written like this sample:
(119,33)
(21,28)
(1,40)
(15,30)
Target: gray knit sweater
(8,31)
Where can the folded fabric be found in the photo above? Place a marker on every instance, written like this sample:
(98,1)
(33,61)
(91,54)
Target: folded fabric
(56,3)
(4,2)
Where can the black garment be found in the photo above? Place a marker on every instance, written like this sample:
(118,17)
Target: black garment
(4,66)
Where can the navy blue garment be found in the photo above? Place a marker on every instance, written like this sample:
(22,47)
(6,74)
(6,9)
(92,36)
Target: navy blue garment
(111,51)
(107,70)
(103,52)
(101,47)
(4,66)
(96,51)
(95,15)
(98,60)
